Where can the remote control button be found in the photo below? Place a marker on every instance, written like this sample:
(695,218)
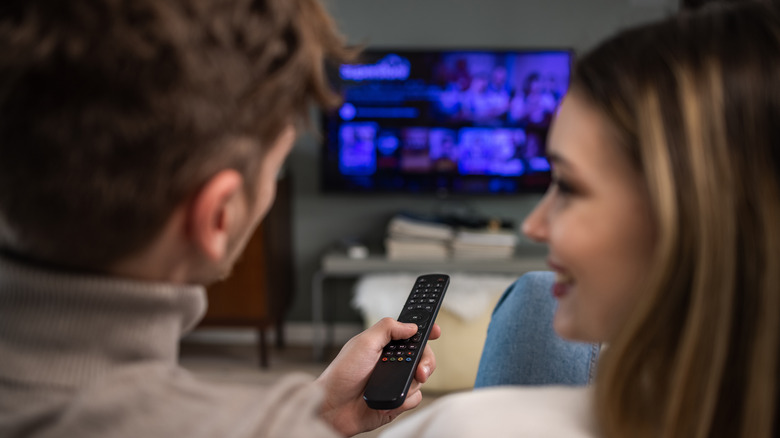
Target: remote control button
(384,359)
(412,347)
(416,316)
(408,359)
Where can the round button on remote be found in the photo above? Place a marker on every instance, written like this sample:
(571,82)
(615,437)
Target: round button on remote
(417,316)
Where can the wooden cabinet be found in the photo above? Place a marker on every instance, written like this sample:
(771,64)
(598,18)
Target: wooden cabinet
(260,290)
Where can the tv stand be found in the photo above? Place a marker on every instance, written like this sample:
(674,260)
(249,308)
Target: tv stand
(338,265)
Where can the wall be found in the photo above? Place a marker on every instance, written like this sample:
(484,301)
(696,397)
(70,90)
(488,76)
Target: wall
(321,220)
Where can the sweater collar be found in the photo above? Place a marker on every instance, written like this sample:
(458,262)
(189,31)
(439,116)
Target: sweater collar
(69,328)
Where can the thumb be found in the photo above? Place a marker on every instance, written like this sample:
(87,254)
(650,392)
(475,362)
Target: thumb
(392,329)
(403,330)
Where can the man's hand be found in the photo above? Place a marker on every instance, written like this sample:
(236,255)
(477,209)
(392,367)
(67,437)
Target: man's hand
(345,378)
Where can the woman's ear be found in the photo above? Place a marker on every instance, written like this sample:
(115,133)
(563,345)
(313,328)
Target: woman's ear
(215,211)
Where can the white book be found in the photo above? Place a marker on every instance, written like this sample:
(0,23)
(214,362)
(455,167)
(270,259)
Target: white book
(425,249)
(483,253)
(487,237)
(463,250)
(405,226)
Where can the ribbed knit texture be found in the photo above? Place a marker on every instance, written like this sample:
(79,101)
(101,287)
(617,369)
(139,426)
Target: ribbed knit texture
(68,329)
(86,356)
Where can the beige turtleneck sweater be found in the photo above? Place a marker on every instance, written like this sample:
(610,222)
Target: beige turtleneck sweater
(84,356)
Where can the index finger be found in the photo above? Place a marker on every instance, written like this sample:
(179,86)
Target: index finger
(435,332)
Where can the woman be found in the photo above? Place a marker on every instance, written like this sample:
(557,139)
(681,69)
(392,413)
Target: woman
(663,225)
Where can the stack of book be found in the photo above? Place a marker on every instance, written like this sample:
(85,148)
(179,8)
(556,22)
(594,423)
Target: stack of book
(411,236)
(417,237)
(487,243)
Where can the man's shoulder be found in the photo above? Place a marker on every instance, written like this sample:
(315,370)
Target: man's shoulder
(159,400)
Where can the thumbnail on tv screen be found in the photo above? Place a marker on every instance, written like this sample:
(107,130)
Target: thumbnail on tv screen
(443,121)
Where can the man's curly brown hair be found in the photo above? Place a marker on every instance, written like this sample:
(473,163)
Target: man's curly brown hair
(114,111)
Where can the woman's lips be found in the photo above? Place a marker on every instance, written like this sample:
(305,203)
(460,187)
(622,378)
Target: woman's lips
(560,290)
(563,282)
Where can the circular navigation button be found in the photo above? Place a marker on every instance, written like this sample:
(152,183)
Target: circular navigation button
(416,316)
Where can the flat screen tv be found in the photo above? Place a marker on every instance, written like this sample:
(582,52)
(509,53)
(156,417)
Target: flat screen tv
(449,122)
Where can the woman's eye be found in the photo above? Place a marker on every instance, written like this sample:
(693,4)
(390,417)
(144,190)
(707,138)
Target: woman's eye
(563,187)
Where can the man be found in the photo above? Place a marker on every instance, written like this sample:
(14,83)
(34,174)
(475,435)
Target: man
(139,146)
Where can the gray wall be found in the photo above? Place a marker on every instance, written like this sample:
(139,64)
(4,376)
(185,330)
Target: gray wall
(321,220)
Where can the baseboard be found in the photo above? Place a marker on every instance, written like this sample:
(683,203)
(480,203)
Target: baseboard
(296,334)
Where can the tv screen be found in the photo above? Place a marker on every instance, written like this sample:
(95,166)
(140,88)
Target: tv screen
(443,121)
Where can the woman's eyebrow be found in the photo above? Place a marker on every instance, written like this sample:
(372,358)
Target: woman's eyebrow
(557,159)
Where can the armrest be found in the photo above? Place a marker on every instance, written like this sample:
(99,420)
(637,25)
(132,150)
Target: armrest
(521,346)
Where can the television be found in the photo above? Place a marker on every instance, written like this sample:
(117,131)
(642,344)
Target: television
(445,122)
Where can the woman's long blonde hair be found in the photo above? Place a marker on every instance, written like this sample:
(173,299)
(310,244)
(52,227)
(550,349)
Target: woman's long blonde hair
(697,99)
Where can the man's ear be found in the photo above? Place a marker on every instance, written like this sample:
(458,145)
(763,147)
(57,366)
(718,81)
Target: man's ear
(214,212)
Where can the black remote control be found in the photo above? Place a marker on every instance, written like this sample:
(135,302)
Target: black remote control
(390,381)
